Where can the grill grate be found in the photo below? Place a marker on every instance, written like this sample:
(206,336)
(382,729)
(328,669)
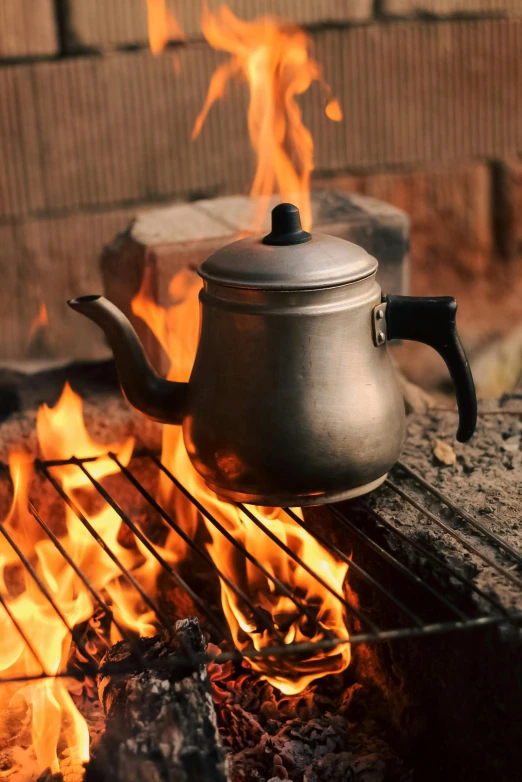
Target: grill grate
(449,616)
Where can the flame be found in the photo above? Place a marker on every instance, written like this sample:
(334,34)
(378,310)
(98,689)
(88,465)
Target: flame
(274,58)
(55,719)
(333,110)
(163,26)
(40,322)
(177,330)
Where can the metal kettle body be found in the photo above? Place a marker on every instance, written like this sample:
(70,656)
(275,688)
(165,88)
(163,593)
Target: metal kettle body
(293,398)
(289,401)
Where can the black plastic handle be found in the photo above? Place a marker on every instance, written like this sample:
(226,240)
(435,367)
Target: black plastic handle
(432,321)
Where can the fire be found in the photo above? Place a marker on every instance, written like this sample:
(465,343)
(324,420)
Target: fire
(40,322)
(333,110)
(177,328)
(163,26)
(274,58)
(56,722)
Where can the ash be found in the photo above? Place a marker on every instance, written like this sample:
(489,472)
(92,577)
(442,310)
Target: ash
(324,734)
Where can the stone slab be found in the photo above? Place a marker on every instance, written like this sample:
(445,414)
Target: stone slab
(27,28)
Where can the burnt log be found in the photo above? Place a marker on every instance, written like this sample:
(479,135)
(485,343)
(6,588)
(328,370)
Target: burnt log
(161,724)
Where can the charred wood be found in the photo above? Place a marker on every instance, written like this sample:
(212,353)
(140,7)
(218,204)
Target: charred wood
(161,724)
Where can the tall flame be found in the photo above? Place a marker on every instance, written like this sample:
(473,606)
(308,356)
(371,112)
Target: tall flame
(176,328)
(55,719)
(274,58)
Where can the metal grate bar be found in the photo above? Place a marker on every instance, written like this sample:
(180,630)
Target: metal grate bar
(371,632)
(347,524)
(43,589)
(306,647)
(203,554)
(23,635)
(472,521)
(219,628)
(88,585)
(433,559)
(349,607)
(417,621)
(457,535)
(163,618)
(303,610)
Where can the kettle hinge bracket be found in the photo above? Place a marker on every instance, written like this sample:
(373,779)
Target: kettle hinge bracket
(379,329)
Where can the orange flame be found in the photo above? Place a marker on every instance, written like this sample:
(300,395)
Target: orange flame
(40,322)
(55,718)
(333,110)
(177,329)
(163,26)
(274,58)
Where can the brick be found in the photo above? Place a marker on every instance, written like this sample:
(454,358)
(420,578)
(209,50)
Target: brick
(116,129)
(27,28)
(451,220)
(21,171)
(105,24)
(49,261)
(419,93)
(508,203)
(158,244)
(448,7)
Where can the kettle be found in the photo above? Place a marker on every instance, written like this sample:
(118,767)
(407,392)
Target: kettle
(293,398)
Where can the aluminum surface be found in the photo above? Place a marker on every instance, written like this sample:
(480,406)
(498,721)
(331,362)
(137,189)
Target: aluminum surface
(322,262)
(289,402)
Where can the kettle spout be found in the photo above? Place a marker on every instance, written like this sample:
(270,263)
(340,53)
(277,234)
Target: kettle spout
(155,397)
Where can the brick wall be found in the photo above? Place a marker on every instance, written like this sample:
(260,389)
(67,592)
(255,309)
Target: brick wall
(94,128)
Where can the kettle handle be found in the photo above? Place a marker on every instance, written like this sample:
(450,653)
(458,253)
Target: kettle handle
(432,320)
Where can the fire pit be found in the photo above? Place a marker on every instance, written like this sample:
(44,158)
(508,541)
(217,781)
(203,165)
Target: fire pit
(418,571)
(152,632)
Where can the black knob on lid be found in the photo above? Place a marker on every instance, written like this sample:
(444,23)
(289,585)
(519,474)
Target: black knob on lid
(286,227)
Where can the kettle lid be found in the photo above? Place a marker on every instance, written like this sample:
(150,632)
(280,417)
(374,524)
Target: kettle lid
(288,258)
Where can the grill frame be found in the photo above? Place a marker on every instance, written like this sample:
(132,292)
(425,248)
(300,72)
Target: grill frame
(370,632)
